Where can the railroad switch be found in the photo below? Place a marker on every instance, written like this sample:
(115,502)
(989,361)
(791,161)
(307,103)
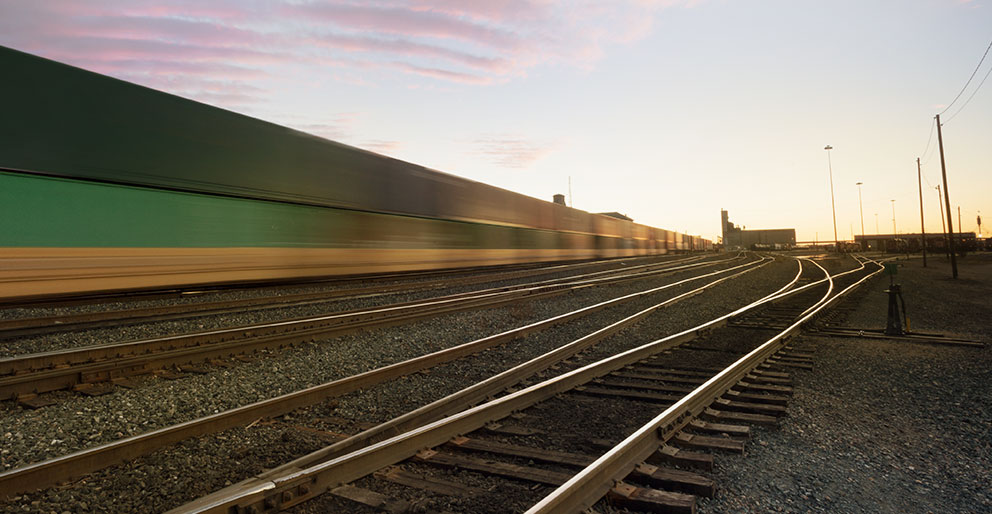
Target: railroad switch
(893,323)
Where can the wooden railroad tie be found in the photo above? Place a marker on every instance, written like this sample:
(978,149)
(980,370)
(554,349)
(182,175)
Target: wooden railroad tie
(427,483)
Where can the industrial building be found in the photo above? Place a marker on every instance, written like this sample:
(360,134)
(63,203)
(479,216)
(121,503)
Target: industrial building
(737,238)
(936,243)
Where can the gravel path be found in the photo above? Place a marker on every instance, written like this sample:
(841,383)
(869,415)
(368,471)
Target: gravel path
(883,426)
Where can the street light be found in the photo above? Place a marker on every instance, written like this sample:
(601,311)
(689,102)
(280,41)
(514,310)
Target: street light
(893,217)
(833,209)
(862,211)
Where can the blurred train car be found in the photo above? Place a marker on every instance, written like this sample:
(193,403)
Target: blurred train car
(106,185)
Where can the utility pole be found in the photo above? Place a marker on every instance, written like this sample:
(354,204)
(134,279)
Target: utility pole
(947,200)
(943,223)
(923,229)
(960,226)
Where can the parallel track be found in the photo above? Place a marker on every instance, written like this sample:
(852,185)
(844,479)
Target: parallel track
(27,327)
(25,376)
(36,475)
(329,469)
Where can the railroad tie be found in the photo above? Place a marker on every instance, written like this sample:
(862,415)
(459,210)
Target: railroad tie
(427,483)
(372,499)
(677,456)
(639,498)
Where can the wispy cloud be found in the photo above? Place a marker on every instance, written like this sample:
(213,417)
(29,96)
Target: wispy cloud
(510,151)
(238,54)
(336,126)
(381,146)
(447,40)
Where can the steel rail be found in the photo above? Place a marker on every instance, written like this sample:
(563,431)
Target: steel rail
(590,484)
(818,282)
(10,365)
(34,476)
(476,393)
(104,362)
(825,295)
(284,491)
(20,327)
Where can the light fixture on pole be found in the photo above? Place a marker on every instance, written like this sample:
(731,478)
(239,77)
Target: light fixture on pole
(893,217)
(833,209)
(862,211)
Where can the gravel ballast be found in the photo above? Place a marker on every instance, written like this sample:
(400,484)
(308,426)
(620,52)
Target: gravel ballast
(188,396)
(882,426)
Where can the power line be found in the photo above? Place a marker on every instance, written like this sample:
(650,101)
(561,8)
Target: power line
(927,180)
(929,139)
(969,79)
(933,150)
(970,97)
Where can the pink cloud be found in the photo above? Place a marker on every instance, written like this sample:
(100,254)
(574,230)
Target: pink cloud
(336,126)
(401,20)
(446,40)
(499,10)
(238,54)
(512,151)
(451,76)
(409,47)
(381,146)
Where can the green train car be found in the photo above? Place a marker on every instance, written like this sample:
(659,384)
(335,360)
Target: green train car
(106,185)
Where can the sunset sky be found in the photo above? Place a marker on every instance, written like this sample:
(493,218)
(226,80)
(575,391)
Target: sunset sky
(666,110)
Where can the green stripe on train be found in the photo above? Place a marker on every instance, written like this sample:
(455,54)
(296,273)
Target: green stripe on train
(37,211)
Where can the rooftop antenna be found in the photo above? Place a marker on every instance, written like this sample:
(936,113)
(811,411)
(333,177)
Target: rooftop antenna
(569,190)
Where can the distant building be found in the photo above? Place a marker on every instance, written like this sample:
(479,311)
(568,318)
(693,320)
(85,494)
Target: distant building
(936,243)
(736,238)
(616,215)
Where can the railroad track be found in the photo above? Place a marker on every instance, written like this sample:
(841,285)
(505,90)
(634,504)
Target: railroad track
(95,369)
(35,326)
(730,383)
(36,475)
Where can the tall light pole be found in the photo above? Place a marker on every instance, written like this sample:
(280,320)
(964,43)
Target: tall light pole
(876,223)
(833,209)
(893,217)
(862,211)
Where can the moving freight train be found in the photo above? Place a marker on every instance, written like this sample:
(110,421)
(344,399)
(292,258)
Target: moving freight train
(106,185)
